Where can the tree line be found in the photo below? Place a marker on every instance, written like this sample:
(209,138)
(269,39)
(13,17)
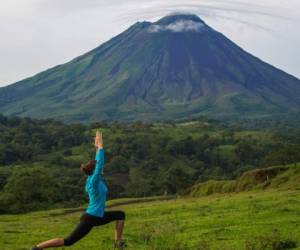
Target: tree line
(40,159)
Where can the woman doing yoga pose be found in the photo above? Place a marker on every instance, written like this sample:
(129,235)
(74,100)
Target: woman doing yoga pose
(94,214)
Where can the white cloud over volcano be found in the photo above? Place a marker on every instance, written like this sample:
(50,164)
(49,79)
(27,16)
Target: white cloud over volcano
(178,26)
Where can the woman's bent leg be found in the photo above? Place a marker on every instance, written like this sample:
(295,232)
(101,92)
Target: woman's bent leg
(119,230)
(110,216)
(119,217)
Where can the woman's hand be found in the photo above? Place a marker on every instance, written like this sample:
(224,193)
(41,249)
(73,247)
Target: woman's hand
(98,140)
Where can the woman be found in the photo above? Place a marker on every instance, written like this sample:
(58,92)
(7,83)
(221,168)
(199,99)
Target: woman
(94,214)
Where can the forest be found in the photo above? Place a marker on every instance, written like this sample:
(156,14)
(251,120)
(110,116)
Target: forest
(40,159)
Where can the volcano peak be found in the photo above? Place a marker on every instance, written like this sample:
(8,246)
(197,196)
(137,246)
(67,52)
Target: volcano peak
(178,23)
(175,17)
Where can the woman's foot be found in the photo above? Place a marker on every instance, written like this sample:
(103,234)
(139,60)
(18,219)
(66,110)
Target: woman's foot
(120,244)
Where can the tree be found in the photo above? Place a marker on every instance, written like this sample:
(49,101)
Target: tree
(286,155)
(29,188)
(117,164)
(176,180)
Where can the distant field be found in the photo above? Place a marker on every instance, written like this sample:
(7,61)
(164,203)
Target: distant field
(254,220)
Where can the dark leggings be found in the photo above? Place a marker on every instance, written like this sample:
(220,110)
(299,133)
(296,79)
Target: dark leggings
(87,222)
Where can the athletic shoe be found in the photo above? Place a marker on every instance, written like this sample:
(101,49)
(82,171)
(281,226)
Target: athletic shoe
(35,248)
(120,244)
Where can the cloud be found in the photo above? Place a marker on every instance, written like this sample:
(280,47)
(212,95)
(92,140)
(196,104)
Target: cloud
(178,26)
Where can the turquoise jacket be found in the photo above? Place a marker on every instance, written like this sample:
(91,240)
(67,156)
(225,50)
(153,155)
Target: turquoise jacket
(96,188)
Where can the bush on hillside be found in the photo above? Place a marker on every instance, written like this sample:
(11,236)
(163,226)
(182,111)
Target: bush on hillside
(274,177)
(212,187)
(251,179)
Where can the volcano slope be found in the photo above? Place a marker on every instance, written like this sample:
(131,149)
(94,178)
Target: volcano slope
(177,67)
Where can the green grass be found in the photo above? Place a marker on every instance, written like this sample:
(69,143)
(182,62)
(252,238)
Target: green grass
(248,220)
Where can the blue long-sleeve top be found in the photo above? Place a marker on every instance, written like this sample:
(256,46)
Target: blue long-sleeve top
(96,188)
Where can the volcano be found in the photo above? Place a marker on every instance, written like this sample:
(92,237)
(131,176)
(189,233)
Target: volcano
(175,68)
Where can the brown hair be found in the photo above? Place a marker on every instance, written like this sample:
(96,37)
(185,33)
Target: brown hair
(88,168)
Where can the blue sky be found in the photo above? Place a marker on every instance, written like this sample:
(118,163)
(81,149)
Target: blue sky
(39,34)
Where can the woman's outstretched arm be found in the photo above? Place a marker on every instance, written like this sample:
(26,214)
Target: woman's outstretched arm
(99,154)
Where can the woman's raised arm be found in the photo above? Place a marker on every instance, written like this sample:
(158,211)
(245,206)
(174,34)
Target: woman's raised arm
(98,140)
(99,154)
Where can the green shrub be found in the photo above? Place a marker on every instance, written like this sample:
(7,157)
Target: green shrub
(212,187)
(253,178)
(273,177)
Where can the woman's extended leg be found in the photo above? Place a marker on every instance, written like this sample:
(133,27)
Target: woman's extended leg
(51,243)
(79,232)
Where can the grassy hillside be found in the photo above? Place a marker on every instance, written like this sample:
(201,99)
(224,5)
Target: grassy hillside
(258,211)
(283,177)
(249,220)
